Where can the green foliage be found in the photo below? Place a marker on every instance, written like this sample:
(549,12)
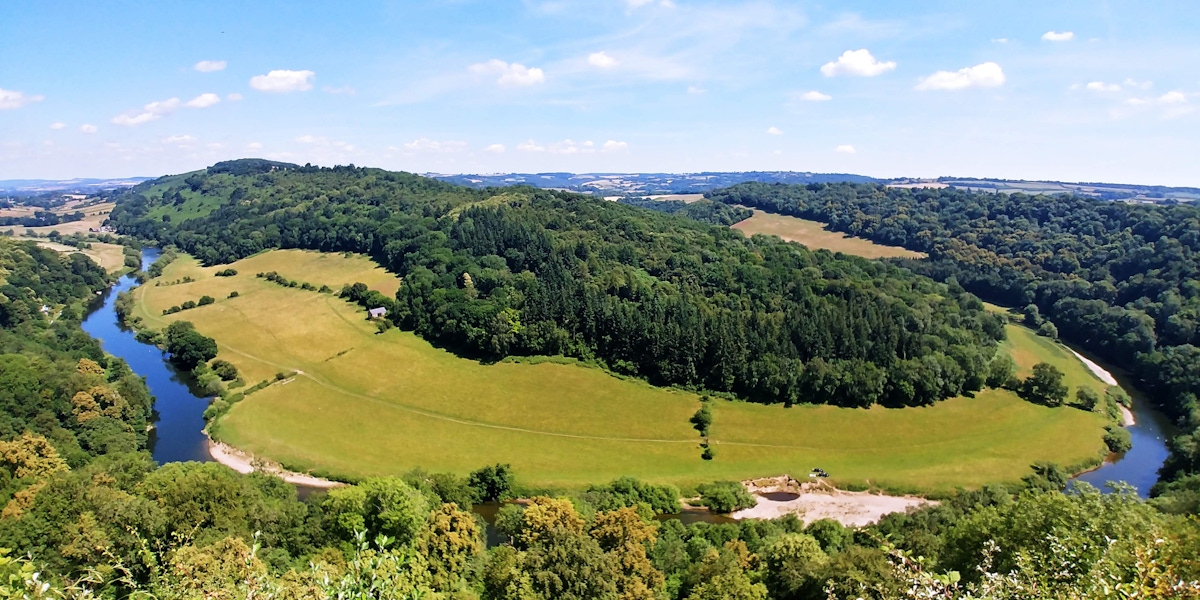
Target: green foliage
(702,420)
(1117,439)
(665,298)
(725,496)
(226,273)
(382,506)
(224,369)
(1045,386)
(187,346)
(205,301)
(491,483)
(629,492)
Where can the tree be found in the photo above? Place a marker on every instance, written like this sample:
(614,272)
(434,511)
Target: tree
(491,483)
(384,505)
(791,562)
(224,369)
(187,346)
(1045,386)
(1001,371)
(1047,329)
(702,420)
(1087,398)
(450,541)
(627,537)
(725,496)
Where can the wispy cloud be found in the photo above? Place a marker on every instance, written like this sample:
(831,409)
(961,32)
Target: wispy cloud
(845,149)
(988,74)
(11,99)
(203,101)
(150,112)
(773,130)
(283,81)
(510,74)
(601,60)
(209,66)
(815,96)
(1056,36)
(858,63)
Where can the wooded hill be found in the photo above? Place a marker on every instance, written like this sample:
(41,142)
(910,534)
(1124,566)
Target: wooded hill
(1121,280)
(519,271)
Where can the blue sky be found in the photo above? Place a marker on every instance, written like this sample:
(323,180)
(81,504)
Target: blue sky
(1080,91)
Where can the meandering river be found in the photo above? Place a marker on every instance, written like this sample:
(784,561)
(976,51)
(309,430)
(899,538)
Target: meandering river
(179,407)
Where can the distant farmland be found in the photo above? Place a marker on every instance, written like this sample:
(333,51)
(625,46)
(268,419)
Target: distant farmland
(814,235)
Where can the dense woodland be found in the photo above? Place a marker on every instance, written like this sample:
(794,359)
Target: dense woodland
(494,273)
(1121,280)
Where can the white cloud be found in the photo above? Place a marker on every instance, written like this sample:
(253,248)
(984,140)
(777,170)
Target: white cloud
(337,91)
(283,80)
(312,139)
(208,66)
(234,97)
(254,146)
(773,130)
(1143,85)
(999,40)
(988,74)
(614,146)
(203,101)
(695,90)
(815,96)
(428,145)
(602,60)
(1100,86)
(151,112)
(10,99)
(182,140)
(57,126)
(530,146)
(88,128)
(857,62)
(845,149)
(635,4)
(495,149)
(1173,97)
(1055,36)
(510,74)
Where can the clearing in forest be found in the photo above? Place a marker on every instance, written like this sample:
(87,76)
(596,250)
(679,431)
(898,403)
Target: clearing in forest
(110,257)
(814,235)
(371,404)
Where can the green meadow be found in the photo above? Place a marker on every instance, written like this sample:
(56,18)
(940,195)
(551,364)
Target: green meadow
(371,404)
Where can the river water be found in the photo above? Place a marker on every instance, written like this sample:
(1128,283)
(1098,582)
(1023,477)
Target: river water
(178,433)
(179,406)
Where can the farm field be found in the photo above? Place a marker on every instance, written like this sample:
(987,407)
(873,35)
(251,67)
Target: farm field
(108,256)
(366,404)
(93,216)
(814,235)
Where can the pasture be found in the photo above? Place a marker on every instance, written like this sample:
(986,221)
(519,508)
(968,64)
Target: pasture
(814,235)
(110,257)
(370,404)
(93,216)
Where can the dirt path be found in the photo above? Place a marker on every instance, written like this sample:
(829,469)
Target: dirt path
(811,501)
(244,463)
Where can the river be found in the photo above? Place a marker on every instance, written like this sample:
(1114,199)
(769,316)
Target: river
(178,433)
(179,407)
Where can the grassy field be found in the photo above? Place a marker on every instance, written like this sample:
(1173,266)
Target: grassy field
(109,256)
(368,404)
(93,216)
(815,236)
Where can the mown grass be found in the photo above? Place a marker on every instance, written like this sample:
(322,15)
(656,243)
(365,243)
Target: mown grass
(814,235)
(371,404)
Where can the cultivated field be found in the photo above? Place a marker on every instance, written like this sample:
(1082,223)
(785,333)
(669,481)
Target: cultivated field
(368,404)
(109,256)
(815,236)
(93,216)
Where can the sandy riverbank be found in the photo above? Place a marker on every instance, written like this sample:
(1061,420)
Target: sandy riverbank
(811,501)
(1127,419)
(244,463)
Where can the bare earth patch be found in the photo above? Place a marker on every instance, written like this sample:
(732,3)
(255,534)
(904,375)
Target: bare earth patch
(815,500)
(245,464)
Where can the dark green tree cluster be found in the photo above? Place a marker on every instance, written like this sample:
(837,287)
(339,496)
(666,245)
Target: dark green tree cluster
(495,273)
(188,347)
(1120,279)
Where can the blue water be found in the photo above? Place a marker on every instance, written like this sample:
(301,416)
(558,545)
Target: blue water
(1139,466)
(178,410)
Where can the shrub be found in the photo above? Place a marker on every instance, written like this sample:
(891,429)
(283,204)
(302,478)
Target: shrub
(725,496)
(1117,439)
(225,370)
(226,273)
(233,294)
(206,300)
(190,304)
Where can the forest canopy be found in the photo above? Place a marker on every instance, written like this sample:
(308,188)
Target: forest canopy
(519,271)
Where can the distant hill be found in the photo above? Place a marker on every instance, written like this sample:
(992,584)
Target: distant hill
(1104,191)
(641,184)
(30,187)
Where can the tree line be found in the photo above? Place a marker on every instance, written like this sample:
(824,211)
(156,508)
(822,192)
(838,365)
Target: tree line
(1119,279)
(495,273)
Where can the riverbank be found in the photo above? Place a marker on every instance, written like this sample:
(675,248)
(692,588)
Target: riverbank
(816,500)
(1127,418)
(246,463)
